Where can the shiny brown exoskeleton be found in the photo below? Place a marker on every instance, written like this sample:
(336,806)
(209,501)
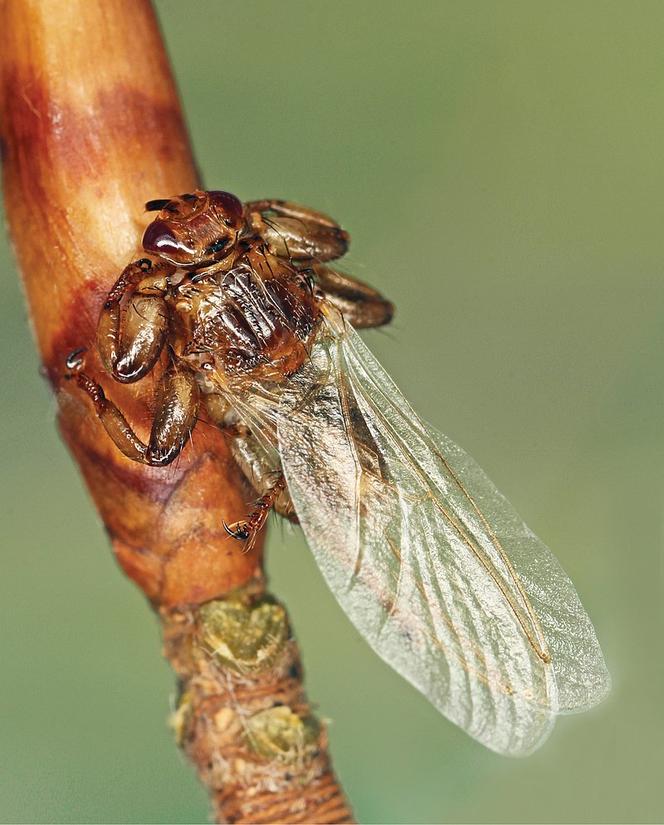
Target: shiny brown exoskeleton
(429,561)
(228,287)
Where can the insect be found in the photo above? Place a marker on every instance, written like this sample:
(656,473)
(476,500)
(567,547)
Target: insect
(427,558)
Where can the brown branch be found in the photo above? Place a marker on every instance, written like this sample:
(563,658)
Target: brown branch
(91,128)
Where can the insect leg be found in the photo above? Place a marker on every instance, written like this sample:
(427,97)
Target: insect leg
(296,232)
(130,344)
(247,530)
(361,305)
(249,454)
(258,469)
(288,209)
(175,415)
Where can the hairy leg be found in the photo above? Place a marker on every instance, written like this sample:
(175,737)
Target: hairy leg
(247,529)
(249,455)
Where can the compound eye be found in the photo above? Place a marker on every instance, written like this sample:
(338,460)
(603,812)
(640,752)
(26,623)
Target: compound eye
(229,205)
(160,240)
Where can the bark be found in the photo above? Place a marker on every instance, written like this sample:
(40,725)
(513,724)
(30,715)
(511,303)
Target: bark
(91,128)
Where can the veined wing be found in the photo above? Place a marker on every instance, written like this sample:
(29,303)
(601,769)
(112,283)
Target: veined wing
(430,562)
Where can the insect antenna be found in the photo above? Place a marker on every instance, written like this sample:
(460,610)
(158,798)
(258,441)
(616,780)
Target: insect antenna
(156,205)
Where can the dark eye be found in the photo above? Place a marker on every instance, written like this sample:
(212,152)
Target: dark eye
(217,246)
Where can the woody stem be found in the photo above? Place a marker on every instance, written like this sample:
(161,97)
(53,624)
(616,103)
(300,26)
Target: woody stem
(85,144)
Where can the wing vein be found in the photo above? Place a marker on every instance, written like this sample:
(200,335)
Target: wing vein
(469,541)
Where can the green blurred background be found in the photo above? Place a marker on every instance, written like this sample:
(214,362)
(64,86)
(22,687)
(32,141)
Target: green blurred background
(499,166)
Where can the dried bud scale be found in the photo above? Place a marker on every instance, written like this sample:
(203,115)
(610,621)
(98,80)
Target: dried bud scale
(242,715)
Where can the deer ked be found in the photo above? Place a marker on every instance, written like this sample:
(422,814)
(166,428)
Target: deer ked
(432,564)
(231,292)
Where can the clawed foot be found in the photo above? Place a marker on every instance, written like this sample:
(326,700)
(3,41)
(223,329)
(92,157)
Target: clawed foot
(242,531)
(247,529)
(238,530)
(75,362)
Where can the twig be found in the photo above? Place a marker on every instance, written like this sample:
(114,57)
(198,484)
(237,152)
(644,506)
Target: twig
(91,129)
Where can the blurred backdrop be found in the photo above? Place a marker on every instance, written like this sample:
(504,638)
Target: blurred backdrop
(499,165)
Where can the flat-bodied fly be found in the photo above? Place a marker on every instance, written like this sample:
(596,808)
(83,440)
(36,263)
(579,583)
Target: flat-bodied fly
(430,562)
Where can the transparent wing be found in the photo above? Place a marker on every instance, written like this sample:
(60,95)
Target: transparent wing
(430,562)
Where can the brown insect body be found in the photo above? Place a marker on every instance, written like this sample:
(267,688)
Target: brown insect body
(257,317)
(431,563)
(227,290)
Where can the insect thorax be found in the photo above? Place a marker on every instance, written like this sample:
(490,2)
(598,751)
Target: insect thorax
(256,318)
